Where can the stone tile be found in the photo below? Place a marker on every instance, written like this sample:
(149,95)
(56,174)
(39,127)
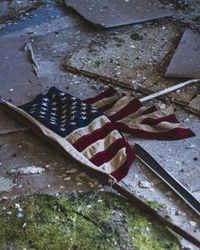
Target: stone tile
(185,62)
(61,173)
(18,81)
(110,14)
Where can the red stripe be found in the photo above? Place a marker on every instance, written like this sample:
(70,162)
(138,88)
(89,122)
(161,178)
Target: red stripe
(110,105)
(154,122)
(150,110)
(109,153)
(173,134)
(108,93)
(96,135)
(122,171)
(130,108)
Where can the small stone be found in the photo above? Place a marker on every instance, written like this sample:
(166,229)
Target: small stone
(144,184)
(193,223)
(20,215)
(67,178)
(71,171)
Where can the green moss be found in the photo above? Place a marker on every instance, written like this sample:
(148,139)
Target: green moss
(88,221)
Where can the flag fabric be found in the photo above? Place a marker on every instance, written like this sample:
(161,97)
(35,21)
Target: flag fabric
(131,116)
(84,131)
(90,130)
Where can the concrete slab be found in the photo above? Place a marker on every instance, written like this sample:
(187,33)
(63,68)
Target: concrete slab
(18,81)
(61,174)
(135,60)
(185,62)
(110,14)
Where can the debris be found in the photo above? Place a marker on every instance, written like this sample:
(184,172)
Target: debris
(11,10)
(119,12)
(144,184)
(5,184)
(185,62)
(26,170)
(193,223)
(28,47)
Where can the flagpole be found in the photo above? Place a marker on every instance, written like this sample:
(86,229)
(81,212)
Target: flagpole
(168,90)
(155,214)
(103,177)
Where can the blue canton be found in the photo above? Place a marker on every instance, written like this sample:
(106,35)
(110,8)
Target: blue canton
(61,112)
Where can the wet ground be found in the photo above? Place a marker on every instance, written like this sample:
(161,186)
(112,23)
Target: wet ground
(57,35)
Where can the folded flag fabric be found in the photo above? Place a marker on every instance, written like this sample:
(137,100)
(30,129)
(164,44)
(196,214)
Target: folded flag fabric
(131,116)
(82,130)
(89,130)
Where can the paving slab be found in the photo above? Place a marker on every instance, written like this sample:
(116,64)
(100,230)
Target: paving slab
(120,12)
(25,151)
(19,83)
(185,62)
(133,59)
(10,10)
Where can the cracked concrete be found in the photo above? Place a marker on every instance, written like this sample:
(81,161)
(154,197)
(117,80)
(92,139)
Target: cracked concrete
(62,33)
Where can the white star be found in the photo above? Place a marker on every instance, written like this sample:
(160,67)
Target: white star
(83,104)
(44,104)
(54,109)
(54,103)
(34,105)
(52,122)
(83,112)
(45,99)
(41,116)
(73,112)
(63,98)
(73,98)
(73,123)
(53,114)
(73,117)
(42,112)
(73,107)
(75,102)
(43,108)
(83,108)
(64,106)
(93,111)
(63,129)
(32,111)
(54,96)
(62,94)
(84,118)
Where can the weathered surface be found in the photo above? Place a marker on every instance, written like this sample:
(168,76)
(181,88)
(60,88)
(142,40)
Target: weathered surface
(10,10)
(110,14)
(90,221)
(57,32)
(185,62)
(19,83)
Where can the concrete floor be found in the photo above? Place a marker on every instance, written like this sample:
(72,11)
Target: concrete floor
(56,34)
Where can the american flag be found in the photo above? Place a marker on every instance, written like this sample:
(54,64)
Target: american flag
(90,130)
(84,131)
(131,116)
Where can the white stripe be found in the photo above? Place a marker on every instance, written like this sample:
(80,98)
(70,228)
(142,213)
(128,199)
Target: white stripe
(138,118)
(120,104)
(101,145)
(105,101)
(95,124)
(117,161)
